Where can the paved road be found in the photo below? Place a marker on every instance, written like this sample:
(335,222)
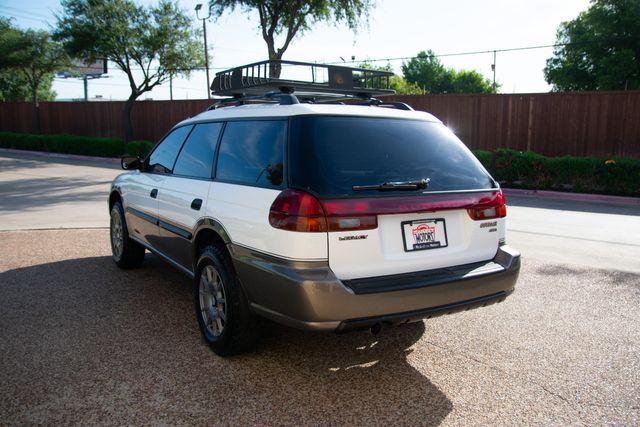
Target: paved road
(83,342)
(38,192)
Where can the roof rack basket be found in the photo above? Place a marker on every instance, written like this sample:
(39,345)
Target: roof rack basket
(307,80)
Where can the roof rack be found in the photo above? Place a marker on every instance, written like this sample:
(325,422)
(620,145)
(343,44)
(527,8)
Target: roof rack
(276,81)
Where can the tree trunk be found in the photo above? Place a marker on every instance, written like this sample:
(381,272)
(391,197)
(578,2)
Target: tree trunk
(274,70)
(127,127)
(36,108)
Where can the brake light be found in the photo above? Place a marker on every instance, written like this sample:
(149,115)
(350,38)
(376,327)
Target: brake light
(491,208)
(296,210)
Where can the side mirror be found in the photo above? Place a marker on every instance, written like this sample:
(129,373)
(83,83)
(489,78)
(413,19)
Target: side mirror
(130,162)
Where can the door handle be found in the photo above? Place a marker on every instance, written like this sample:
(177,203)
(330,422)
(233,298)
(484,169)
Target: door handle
(196,204)
(154,193)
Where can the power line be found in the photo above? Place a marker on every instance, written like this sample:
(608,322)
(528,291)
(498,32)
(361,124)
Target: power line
(405,58)
(24,12)
(95,82)
(478,52)
(17,16)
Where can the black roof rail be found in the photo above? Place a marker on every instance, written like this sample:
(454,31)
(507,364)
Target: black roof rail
(281,98)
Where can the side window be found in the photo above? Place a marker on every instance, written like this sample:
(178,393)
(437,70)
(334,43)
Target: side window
(163,157)
(252,153)
(196,157)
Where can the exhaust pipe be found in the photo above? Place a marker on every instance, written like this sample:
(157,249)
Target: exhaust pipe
(376,328)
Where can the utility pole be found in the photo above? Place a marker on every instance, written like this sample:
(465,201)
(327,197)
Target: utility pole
(493,68)
(85,80)
(206,50)
(171,86)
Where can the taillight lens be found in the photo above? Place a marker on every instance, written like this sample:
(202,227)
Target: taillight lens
(296,210)
(489,208)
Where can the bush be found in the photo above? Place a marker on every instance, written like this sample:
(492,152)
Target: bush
(139,148)
(518,169)
(71,144)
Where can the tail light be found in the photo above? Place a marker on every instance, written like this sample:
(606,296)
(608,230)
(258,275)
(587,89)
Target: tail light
(489,208)
(296,210)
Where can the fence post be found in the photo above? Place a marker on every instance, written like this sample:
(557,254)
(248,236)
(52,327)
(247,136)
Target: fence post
(530,124)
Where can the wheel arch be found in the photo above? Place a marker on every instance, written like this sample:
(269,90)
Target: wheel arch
(114,197)
(208,230)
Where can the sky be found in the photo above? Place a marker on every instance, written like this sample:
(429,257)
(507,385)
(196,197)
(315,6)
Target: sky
(397,28)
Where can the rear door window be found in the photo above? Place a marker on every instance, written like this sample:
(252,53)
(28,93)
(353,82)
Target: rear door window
(164,155)
(252,153)
(197,154)
(330,155)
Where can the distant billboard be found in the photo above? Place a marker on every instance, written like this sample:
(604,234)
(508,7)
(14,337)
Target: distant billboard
(82,69)
(95,69)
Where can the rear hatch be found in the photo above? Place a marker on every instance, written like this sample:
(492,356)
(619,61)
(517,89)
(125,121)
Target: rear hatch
(399,195)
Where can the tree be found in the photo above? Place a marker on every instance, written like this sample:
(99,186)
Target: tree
(397,83)
(292,17)
(149,44)
(403,87)
(14,87)
(471,81)
(426,71)
(599,50)
(30,58)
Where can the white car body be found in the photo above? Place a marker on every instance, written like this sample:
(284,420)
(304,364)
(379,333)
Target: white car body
(168,225)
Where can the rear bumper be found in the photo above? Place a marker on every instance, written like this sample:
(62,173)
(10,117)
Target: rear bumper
(307,295)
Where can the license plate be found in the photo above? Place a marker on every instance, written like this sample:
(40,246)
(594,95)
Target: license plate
(424,234)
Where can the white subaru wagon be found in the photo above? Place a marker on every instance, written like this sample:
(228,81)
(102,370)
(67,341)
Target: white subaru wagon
(320,217)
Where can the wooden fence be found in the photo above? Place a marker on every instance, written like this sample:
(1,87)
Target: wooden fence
(599,124)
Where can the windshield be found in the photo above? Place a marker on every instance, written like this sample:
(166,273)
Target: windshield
(331,155)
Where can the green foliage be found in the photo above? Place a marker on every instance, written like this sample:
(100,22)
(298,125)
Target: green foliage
(71,144)
(289,18)
(619,176)
(14,87)
(397,83)
(139,148)
(148,43)
(604,49)
(485,157)
(427,72)
(403,87)
(28,60)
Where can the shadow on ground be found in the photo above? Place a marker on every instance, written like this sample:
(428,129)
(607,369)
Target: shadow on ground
(35,193)
(85,342)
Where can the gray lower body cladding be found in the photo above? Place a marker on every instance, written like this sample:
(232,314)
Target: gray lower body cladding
(307,295)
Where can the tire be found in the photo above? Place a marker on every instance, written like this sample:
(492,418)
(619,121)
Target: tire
(222,310)
(126,252)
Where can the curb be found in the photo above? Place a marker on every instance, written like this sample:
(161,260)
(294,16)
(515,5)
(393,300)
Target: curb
(62,156)
(574,197)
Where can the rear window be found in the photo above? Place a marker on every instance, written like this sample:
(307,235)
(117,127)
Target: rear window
(330,155)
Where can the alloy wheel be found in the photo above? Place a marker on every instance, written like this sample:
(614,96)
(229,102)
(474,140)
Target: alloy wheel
(213,303)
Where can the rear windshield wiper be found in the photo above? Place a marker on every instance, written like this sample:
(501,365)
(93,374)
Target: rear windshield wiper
(401,185)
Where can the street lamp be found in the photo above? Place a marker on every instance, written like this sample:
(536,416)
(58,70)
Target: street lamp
(206,51)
